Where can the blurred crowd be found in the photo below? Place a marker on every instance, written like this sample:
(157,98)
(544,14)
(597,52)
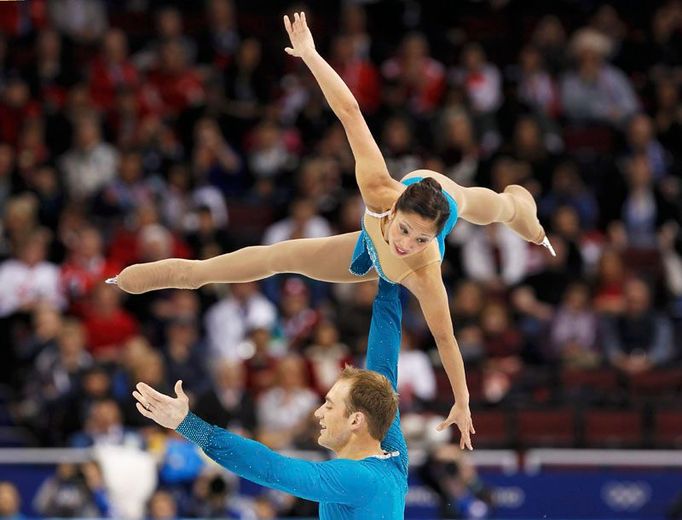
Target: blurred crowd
(134,131)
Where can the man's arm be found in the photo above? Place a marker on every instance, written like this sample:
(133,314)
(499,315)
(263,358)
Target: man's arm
(383,348)
(339,481)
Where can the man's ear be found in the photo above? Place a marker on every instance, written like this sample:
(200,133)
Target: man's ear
(357,419)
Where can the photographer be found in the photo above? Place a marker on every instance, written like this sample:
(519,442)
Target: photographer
(75,490)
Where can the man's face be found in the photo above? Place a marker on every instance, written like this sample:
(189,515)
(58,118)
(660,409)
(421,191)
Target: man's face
(333,417)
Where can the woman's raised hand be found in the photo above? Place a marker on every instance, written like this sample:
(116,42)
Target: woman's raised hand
(301,39)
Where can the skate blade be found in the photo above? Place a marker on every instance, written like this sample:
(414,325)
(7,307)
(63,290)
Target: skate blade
(112,281)
(545,242)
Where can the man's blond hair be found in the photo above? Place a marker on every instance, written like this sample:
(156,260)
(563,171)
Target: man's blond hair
(372,394)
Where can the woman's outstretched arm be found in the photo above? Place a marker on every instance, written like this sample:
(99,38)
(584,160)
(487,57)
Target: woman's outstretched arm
(427,286)
(377,187)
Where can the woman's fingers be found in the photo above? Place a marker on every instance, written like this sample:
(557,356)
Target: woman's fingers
(287,24)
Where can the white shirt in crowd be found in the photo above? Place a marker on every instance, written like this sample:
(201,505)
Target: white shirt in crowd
(228,322)
(22,285)
(87,172)
(315,227)
(415,371)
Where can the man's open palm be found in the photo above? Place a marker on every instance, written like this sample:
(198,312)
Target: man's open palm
(163,409)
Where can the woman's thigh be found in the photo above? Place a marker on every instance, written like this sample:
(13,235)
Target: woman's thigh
(326,259)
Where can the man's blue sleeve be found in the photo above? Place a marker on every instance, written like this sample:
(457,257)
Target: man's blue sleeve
(340,481)
(383,348)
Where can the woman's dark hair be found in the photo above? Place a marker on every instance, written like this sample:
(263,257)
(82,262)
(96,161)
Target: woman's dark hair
(426,199)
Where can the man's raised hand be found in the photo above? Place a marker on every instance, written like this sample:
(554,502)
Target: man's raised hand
(163,409)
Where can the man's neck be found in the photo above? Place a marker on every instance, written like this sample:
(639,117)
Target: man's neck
(360,450)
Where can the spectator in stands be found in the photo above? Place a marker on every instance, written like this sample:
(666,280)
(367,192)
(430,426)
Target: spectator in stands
(573,331)
(502,343)
(10,502)
(466,305)
(112,70)
(59,367)
(421,77)
(644,209)
(129,189)
(416,377)
(640,337)
(357,72)
(107,323)
(304,222)
(642,141)
(452,475)
(228,321)
(399,146)
(667,118)
(568,189)
(75,490)
(29,280)
(20,219)
(261,353)
(6,170)
(86,265)
(283,410)
(550,37)
(177,84)
(536,87)
(247,85)
(16,106)
(46,323)
(459,147)
(214,161)
(91,163)
(354,317)
(270,156)
(596,90)
(609,282)
(327,356)
(52,73)
(298,319)
(494,255)
(566,224)
(84,21)
(219,42)
(483,85)
(228,403)
(184,354)
(162,506)
(169,28)
(104,426)
(69,415)
(538,294)
(530,147)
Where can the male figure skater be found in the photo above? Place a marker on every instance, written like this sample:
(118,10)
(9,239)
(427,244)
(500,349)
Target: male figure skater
(359,421)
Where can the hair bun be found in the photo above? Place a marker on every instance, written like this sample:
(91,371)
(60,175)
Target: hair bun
(431,183)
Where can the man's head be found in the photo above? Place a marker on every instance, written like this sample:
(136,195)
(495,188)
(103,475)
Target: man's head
(360,406)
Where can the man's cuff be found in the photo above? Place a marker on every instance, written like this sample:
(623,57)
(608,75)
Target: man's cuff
(196,430)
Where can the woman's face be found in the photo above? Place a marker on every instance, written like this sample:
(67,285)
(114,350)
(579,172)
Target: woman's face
(409,233)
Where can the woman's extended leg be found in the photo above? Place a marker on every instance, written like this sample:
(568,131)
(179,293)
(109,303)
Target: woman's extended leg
(515,207)
(326,259)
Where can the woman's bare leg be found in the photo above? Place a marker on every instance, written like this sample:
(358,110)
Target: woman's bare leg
(326,259)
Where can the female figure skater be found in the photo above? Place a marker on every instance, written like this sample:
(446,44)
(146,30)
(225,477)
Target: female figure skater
(402,239)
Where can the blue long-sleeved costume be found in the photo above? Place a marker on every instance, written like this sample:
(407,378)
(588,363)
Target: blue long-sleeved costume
(367,489)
